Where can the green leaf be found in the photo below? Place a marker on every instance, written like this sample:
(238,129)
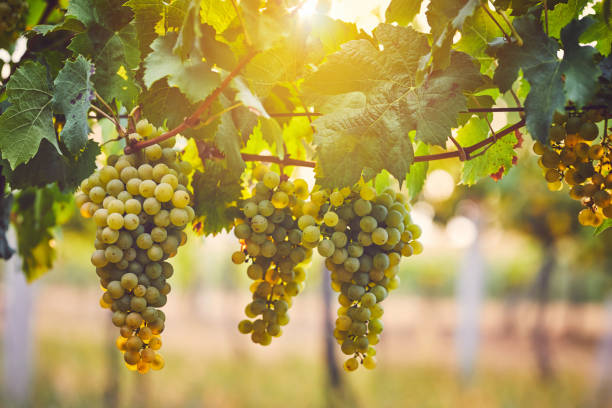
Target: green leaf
(39,211)
(542,69)
(48,167)
(115,56)
(562,15)
(495,157)
(162,102)
(73,93)
(599,32)
(192,77)
(107,13)
(578,65)
(371,103)
(147,13)
(217,13)
(604,226)
(29,119)
(268,68)
(445,17)
(382,181)
(402,11)
(332,33)
(190,32)
(216,52)
(216,191)
(265,26)
(272,134)
(478,30)
(244,95)
(415,179)
(227,139)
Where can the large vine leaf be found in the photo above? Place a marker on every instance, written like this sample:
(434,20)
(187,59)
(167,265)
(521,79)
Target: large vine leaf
(48,166)
(537,57)
(147,13)
(402,11)
(216,192)
(112,46)
(29,119)
(162,102)
(72,96)
(193,77)
(380,103)
(578,66)
(497,156)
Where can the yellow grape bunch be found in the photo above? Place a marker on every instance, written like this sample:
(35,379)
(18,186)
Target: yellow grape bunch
(578,156)
(271,243)
(140,205)
(364,235)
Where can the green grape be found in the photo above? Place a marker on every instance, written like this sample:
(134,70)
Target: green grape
(147,188)
(179,217)
(180,199)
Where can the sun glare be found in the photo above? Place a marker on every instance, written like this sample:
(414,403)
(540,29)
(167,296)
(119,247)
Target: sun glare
(308,9)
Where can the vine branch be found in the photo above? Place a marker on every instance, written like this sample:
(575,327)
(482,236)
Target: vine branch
(194,119)
(208,150)
(486,9)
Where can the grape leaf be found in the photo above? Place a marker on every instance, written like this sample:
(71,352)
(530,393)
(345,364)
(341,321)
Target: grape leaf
(244,95)
(600,32)
(39,210)
(147,13)
(380,104)
(578,66)
(563,14)
(189,32)
(192,77)
(265,26)
(478,30)
(402,11)
(332,33)
(48,166)
(162,102)
(107,13)
(216,52)
(217,13)
(29,119)
(542,69)
(115,56)
(415,179)
(227,139)
(72,96)
(382,181)
(445,17)
(216,192)
(495,157)
(270,67)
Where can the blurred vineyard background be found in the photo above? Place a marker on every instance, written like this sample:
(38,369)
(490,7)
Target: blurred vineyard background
(510,305)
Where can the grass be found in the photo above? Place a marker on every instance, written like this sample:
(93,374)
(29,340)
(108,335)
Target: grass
(75,373)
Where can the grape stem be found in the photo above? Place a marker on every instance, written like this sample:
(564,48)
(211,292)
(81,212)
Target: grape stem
(194,119)
(486,9)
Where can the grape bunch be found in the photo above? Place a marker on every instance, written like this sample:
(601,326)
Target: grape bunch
(140,205)
(364,237)
(271,243)
(575,155)
(13,14)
